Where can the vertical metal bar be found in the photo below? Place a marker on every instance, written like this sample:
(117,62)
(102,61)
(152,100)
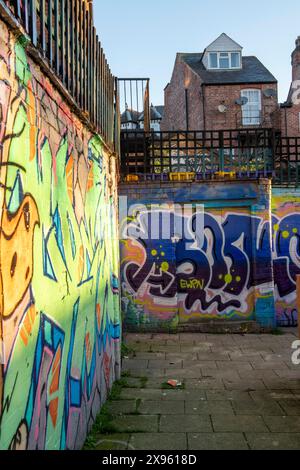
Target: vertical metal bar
(88,63)
(72,48)
(42,26)
(84,59)
(56,35)
(97,80)
(62,40)
(33,21)
(26,15)
(76,51)
(67,32)
(50,34)
(19,14)
(94,77)
(81,55)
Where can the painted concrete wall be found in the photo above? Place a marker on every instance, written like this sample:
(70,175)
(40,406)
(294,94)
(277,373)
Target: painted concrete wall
(59,308)
(243,269)
(286,252)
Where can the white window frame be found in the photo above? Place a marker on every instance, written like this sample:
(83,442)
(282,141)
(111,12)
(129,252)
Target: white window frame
(229,57)
(247,119)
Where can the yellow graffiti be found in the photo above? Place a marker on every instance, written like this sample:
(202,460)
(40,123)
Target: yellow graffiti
(192,284)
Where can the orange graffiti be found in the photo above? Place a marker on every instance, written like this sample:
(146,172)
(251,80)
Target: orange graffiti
(55,372)
(31,112)
(28,323)
(16,254)
(53,410)
(88,347)
(81,263)
(90,182)
(98,314)
(69,177)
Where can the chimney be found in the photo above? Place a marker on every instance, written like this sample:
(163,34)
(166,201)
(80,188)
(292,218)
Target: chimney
(296,61)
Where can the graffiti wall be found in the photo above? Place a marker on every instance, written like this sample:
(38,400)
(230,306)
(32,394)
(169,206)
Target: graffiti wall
(209,257)
(286,253)
(59,302)
(239,264)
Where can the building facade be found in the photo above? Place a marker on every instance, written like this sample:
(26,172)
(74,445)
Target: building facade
(219,89)
(289,114)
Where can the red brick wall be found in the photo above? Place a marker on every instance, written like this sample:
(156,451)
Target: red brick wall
(290,121)
(175,105)
(227,95)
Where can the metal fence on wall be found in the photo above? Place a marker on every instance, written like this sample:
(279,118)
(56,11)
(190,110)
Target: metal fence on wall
(64,33)
(247,153)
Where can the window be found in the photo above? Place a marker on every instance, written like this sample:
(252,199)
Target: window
(213,60)
(251,111)
(235,60)
(224,60)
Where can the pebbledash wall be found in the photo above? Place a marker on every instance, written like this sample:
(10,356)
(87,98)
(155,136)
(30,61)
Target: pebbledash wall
(59,303)
(238,268)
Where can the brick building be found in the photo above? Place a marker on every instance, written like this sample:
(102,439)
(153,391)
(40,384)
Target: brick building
(290,110)
(219,89)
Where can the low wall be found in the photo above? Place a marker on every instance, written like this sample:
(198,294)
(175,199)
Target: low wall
(59,302)
(242,270)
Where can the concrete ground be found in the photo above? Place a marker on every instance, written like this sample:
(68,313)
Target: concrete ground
(238,392)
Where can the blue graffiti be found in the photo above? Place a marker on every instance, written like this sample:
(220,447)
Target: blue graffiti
(237,253)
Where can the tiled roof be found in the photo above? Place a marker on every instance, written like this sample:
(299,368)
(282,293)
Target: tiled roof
(253,71)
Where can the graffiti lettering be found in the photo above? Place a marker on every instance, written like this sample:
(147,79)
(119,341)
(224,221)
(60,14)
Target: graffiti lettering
(216,275)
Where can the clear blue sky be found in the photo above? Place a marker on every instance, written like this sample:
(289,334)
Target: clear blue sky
(141,38)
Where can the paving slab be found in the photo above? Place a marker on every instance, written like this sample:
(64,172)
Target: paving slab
(142,394)
(273,441)
(267,407)
(217,395)
(138,423)
(234,366)
(186,423)
(112,441)
(217,441)
(186,395)
(283,423)
(160,407)
(239,392)
(208,407)
(290,407)
(166,364)
(228,423)
(204,384)
(119,407)
(158,441)
(133,363)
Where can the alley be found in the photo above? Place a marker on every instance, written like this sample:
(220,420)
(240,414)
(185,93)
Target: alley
(238,392)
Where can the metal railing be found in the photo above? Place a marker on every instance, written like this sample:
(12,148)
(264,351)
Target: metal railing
(134,96)
(246,153)
(64,34)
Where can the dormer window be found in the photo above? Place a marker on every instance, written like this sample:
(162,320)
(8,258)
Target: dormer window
(224,60)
